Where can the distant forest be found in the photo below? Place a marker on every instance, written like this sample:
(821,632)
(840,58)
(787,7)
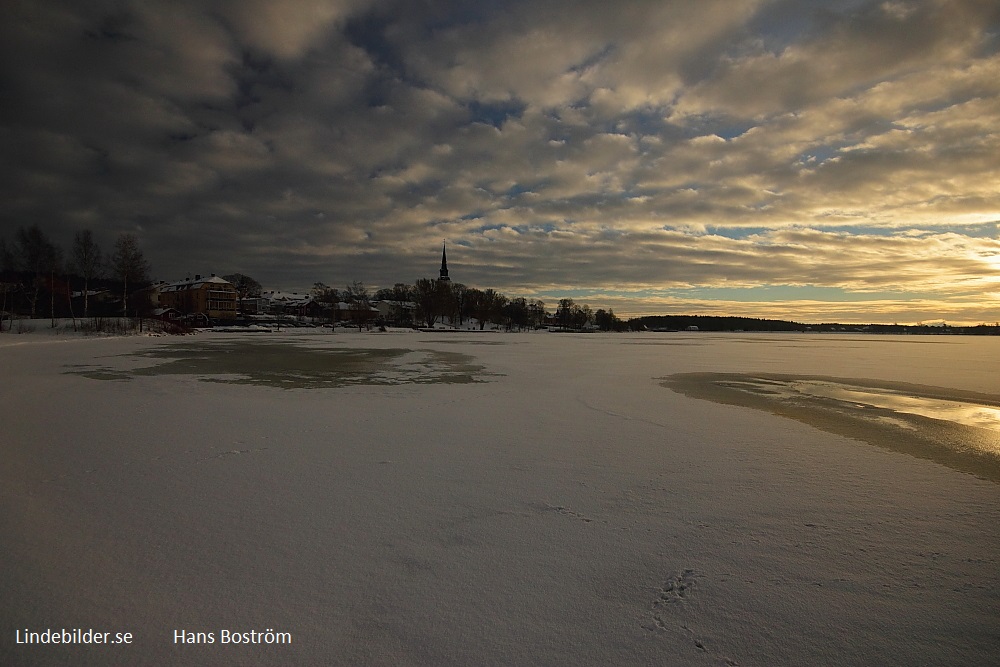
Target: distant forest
(726,323)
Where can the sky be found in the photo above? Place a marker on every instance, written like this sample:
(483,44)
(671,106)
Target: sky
(815,160)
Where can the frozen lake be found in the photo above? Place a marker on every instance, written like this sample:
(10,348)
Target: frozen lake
(491,499)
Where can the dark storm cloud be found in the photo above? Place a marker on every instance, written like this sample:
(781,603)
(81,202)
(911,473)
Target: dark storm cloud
(555,145)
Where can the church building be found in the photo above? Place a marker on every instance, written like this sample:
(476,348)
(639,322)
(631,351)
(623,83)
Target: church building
(444,264)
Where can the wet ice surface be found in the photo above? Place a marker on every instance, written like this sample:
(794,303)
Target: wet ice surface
(960,429)
(295,364)
(969,414)
(564,508)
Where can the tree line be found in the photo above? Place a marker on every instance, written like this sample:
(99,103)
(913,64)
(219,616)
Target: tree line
(38,279)
(38,275)
(429,301)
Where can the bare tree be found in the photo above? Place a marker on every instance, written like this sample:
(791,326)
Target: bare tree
(129,264)
(5,289)
(6,265)
(87,261)
(55,262)
(6,257)
(486,306)
(69,293)
(458,294)
(472,301)
(606,320)
(357,295)
(566,312)
(498,301)
(434,299)
(516,314)
(324,293)
(35,254)
(328,297)
(536,310)
(246,287)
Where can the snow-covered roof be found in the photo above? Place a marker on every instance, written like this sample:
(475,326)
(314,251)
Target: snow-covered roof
(286,299)
(184,285)
(393,302)
(278,295)
(343,305)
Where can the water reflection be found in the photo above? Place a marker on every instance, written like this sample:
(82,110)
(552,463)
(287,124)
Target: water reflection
(957,428)
(968,414)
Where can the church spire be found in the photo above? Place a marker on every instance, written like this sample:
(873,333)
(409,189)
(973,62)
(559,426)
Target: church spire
(444,263)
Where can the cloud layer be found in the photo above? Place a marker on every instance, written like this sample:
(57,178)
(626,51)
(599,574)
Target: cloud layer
(633,152)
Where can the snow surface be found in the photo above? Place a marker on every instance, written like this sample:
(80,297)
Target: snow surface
(563,508)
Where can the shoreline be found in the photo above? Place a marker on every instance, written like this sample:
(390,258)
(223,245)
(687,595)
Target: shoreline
(959,446)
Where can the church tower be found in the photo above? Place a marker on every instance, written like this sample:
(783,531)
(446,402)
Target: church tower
(444,264)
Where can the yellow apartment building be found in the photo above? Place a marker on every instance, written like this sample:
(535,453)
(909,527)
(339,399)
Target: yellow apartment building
(210,296)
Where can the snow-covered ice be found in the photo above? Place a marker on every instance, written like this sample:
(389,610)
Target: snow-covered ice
(488,499)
